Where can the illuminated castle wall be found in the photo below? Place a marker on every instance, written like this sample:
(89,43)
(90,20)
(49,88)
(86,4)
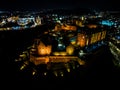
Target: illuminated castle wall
(68,27)
(85,39)
(43,49)
(65,27)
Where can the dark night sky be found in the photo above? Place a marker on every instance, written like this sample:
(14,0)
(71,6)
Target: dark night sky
(38,4)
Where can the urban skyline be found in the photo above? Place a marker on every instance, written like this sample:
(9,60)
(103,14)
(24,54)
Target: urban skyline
(62,47)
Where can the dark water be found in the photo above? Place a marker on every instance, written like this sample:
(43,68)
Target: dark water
(99,68)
